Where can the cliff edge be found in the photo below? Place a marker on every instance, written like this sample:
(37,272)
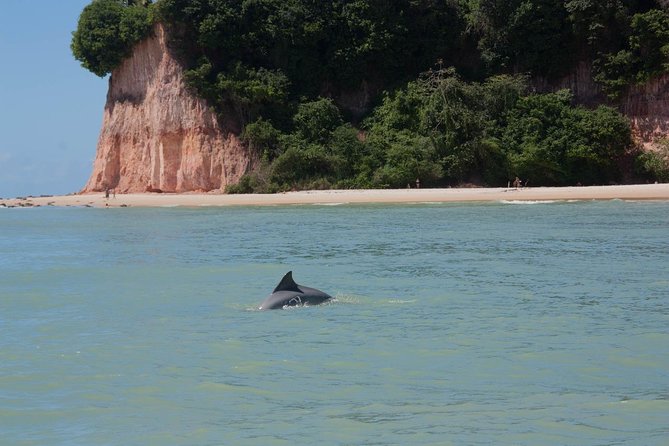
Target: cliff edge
(156,135)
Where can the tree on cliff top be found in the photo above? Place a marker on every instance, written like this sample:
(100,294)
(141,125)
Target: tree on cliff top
(107,31)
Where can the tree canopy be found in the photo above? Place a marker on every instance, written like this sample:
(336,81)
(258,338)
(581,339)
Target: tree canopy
(107,31)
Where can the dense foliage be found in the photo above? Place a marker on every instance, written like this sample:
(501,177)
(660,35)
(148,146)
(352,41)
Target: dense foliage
(354,93)
(107,31)
(443,130)
(654,166)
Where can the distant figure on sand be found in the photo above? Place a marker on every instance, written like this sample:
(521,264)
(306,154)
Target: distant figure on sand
(107,193)
(517,183)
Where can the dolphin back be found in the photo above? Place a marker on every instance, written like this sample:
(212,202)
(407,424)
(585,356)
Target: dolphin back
(288,294)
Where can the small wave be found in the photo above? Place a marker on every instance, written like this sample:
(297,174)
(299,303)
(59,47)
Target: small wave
(332,301)
(341,298)
(402,301)
(336,300)
(339,203)
(424,203)
(529,201)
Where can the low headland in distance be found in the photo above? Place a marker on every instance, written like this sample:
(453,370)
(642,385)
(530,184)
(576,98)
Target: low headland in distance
(330,197)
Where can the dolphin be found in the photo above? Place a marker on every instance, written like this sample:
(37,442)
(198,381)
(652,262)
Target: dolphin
(289,294)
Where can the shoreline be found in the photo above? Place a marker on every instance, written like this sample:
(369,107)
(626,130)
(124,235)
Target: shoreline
(366,196)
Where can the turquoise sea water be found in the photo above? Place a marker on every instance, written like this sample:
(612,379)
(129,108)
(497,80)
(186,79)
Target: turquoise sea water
(454,324)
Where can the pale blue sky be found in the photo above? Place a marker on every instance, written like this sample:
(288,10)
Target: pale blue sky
(50,107)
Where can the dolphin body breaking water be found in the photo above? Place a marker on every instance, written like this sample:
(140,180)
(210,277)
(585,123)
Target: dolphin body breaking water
(289,294)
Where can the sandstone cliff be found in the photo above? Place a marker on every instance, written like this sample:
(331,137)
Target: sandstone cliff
(156,135)
(647,105)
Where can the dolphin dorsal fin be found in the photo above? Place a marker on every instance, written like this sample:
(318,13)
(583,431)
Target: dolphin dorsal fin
(287,283)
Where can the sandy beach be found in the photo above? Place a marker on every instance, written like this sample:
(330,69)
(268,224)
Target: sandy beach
(98,200)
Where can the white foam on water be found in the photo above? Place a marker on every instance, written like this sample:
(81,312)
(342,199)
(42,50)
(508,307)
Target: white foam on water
(529,201)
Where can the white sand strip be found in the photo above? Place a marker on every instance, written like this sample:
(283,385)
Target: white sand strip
(627,192)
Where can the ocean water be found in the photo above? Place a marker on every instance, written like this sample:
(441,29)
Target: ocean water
(453,324)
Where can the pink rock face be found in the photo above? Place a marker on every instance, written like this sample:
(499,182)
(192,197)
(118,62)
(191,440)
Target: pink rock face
(647,106)
(156,135)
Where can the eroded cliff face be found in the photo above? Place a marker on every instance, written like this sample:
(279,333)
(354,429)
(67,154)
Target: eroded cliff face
(647,105)
(156,135)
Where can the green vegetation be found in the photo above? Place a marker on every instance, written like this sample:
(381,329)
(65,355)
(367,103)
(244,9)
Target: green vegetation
(654,166)
(107,31)
(551,142)
(355,93)
(443,130)
(645,54)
